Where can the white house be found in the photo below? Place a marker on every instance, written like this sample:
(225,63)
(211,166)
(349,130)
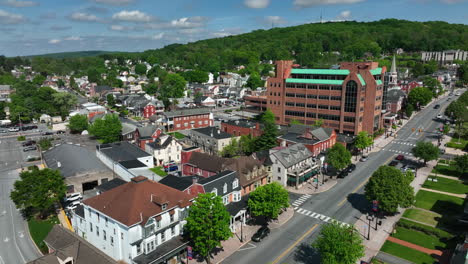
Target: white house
(137,222)
(293,165)
(164,149)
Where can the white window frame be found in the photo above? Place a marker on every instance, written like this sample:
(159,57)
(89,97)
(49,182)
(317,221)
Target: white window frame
(225,199)
(215,191)
(225,188)
(235,183)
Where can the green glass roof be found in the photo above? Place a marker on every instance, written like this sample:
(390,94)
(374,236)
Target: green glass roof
(320,71)
(315,81)
(376,71)
(361,79)
(379,82)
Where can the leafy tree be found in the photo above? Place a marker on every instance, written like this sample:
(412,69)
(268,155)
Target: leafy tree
(195,76)
(197,95)
(268,200)
(2,110)
(44,143)
(39,79)
(151,88)
(37,191)
(270,132)
(231,150)
(254,81)
(426,151)
(391,188)
(93,75)
(421,95)
(339,244)
(247,144)
(363,140)
(73,84)
(339,157)
(462,163)
(78,123)
(173,86)
(107,129)
(60,83)
(457,110)
(140,69)
(409,109)
(208,224)
(318,122)
(433,84)
(64,102)
(446,129)
(110,100)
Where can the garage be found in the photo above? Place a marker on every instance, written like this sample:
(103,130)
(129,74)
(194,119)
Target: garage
(89,185)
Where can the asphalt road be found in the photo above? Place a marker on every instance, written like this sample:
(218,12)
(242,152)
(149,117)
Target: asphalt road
(345,202)
(15,243)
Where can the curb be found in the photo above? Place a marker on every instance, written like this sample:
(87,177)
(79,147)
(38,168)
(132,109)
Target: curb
(286,220)
(325,190)
(30,238)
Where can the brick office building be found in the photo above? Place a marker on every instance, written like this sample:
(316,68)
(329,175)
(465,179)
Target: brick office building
(348,99)
(242,128)
(188,119)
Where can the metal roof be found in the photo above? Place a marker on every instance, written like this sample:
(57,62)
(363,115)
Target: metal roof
(320,71)
(376,71)
(379,82)
(315,81)
(361,79)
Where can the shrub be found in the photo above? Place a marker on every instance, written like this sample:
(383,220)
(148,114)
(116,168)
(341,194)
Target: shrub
(441,234)
(21,138)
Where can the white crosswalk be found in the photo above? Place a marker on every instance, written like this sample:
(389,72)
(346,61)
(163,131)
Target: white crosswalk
(319,216)
(403,143)
(301,200)
(400,152)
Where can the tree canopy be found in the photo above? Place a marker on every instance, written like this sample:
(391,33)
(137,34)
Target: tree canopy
(270,132)
(37,191)
(173,86)
(208,224)
(339,157)
(426,151)
(107,129)
(339,244)
(78,123)
(268,200)
(140,69)
(195,76)
(420,95)
(363,140)
(391,188)
(461,162)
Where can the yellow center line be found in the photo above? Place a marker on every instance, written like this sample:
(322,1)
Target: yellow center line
(360,185)
(295,244)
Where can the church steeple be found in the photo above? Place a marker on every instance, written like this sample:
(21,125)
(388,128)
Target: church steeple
(393,68)
(393,74)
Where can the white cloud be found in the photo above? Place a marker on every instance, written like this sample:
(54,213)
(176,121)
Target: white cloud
(120,28)
(184,22)
(16,3)
(114,2)
(72,38)
(257,3)
(10,18)
(191,31)
(345,15)
(84,17)
(274,20)
(158,36)
(132,16)
(54,41)
(309,3)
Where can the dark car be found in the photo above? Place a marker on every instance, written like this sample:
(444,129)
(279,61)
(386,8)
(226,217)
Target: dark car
(343,174)
(29,143)
(30,148)
(171,168)
(437,106)
(47,133)
(393,163)
(261,234)
(400,157)
(60,132)
(351,168)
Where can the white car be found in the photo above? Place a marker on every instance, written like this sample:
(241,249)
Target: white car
(13,129)
(439,116)
(457,93)
(73,197)
(73,205)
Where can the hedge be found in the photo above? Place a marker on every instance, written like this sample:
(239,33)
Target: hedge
(423,228)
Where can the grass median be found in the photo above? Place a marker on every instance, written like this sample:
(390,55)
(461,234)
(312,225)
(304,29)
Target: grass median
(407,253)
(446,185)
(439,203)
(39,229)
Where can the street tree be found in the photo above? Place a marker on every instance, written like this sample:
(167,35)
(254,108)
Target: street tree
(208,224)
(140,69)
(78,123)
(339,244)
(419,96)
(363,140)
(339,157)
(461,162)
(425,151)
(409,109)
(270,132)
(107,129)
(457,110)
(433,84)
(37,191)
(268,200)
(391,188)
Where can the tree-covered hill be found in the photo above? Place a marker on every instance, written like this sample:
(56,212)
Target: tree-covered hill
(73,54)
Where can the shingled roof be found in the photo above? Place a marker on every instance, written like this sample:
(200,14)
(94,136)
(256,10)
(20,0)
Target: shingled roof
(136,201)
(207,162)
(292,155)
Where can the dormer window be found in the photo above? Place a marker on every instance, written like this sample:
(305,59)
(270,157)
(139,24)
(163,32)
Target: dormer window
(164,206)
(235,183)
(215,191)
(225,188)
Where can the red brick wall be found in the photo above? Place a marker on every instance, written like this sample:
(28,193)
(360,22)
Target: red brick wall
(182,120)
(241,131)
(188,169)
(148,111)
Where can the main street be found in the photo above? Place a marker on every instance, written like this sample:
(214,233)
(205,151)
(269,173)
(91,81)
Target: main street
(16,246)
(345,202)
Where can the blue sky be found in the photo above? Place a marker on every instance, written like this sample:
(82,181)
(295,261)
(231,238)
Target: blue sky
(45,26)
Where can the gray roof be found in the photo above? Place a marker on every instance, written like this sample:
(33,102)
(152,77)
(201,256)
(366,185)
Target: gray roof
(128,128)
(187,112)
(102,88)
(157,144)
(292,155)
(321,133)
(213,132)
(393,95)
(67,244)
(295,133)
(219,180)
(121,151)
(243,123)
(73,160)
(179,183)
(147,131)
(4,87)
(109,185)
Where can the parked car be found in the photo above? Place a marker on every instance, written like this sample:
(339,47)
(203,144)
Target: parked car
(169,164)
(29,148)
(73,205)
(47,133)
(73,197)
(171,168)
(400,157)
(60,132)
(393,163)
(351,168)
(439,116)
(3,131)
(437,106)
(364,158)
(406,168)
(343,174)
(13,129)
(261,234)
(28,143)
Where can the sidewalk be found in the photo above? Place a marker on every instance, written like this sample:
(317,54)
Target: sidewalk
(446,193)
(231,245)
(311,187)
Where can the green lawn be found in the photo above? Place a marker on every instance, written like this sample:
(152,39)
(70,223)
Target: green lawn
(422,216)
(439,203)
(446,161)
(406,253)
(419,238)
(449,170)
(39,230)
(458,144)
(159,171)
(177,135)
(446,185)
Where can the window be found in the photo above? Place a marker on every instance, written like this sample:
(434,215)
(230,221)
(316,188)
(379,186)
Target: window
(351,97)
(164,206)
(89,211)
(114,231)
(235,184)
(112,240)
(158,223)
(138,248)
(225,188)
(163,236)
(90,227)
(324,97)
(121,235)
(97,230)
(172,218)
(104,235)
(279,169)
(173,231)
(237,197)
(149,230)
(226,199)
(105,220)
